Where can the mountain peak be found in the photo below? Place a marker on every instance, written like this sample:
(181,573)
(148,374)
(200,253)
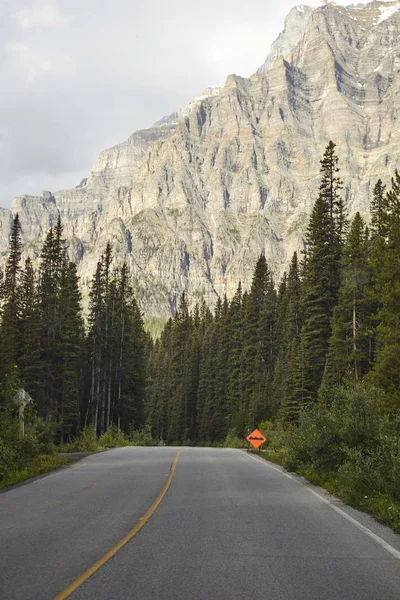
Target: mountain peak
(295,25)
(192,202)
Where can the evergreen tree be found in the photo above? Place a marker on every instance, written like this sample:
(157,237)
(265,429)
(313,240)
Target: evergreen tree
(379,211)
(293,399)
(349,343)
(53,259)
(321,279)
(95,343)
(257,358)
(386,372)
(10,334)
(178,423)
(281,341)
(71,353)
(133,345)
(291,395)
(30,358)
(236,334)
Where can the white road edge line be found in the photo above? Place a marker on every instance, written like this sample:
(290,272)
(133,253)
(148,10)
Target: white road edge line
(368,532)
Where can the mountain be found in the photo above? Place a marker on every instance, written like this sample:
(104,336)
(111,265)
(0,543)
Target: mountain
(295,25)
(193,201)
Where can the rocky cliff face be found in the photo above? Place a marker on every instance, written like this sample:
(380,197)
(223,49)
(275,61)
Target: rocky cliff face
(191,202)
(295,25)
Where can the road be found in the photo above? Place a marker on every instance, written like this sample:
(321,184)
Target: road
(229,527)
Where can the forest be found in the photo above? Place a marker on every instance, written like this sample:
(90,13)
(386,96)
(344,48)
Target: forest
(276,349)
(313,360)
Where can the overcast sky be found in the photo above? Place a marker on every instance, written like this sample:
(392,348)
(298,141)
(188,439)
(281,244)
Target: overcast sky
(78,76)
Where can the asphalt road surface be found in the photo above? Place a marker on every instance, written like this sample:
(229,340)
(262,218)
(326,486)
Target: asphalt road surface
(230,527)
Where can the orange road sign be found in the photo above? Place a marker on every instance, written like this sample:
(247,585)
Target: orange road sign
(256,438)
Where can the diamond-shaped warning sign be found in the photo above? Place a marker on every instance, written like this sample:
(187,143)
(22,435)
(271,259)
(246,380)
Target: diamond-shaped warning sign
(256,438)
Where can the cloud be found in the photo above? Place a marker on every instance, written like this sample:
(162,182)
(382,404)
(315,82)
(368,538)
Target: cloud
(41,15)
(32,65)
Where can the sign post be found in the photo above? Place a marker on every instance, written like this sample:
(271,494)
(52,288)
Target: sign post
(22,398)
(256,439)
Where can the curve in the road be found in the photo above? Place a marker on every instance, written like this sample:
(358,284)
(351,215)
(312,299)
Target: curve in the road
(113,551)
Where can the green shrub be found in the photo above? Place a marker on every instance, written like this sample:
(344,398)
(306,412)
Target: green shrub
(27,456)
(112,438)
(143,437)
(233,441)
(326,433)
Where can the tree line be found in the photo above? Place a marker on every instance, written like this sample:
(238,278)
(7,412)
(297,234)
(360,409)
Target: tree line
(77,375)
(265,354)
(274,350)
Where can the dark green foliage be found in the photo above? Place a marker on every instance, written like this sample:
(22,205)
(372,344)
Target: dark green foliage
(212,376)
(348,440)
(348,354)
(321,279)
(10,333)
(379,211)
(53,259)
(117,347)
(71,351)
(288,380)
(30,356)
(43,336)
(386,372)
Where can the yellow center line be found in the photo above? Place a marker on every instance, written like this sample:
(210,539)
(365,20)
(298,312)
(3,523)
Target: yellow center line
(91,570)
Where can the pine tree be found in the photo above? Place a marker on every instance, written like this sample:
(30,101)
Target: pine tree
(71,353)
(133,361)
(288,331)
(257,358)
(379,211)
(53,259)
(13,267)
(207,379)
(108,318)
(236,334)
(293,291)
(159,389)
(321,279)
(95,343)
(386,372)
(178,424)
(30,358)
(349,343)
(293,399)
(10,333)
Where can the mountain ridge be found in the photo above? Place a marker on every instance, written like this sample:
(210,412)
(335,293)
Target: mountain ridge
(191,202)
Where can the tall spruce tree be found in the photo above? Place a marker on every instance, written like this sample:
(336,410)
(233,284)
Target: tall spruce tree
(131,347)
(292,400)
(53,259)
(177,409)
(321,280)
(95,345)
(71,353)
(348,354)
(30,358)
(386,372)
(379,211)
(257,358)
(10,332)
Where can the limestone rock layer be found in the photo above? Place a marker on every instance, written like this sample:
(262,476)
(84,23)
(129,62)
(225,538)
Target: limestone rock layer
(193,201)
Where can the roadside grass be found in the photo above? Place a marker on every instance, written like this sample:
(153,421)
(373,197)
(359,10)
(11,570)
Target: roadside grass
(381,506)
(36,466)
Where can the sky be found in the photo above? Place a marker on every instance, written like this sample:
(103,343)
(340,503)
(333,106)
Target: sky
(78,76)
